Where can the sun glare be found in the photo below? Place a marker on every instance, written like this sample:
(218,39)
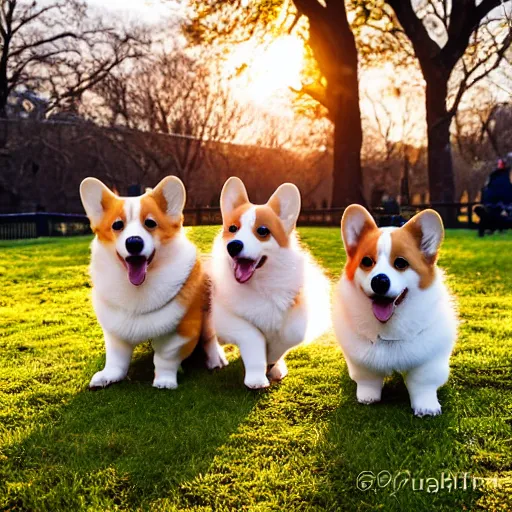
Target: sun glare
(267,71)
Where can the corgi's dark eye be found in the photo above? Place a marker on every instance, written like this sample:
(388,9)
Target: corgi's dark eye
(401,263)
(118,225)
(150,223)
(233,229)
(263,231)
(367,262)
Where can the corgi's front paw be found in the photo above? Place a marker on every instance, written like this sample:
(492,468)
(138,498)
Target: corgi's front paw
(165,382)
(216,358)
(106,377)
(369,393)
(255,380)
(430,410)
(278,372)
(426,404)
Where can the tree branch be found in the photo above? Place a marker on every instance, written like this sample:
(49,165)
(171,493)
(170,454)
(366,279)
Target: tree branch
(424,46)
(465,84)
(52,39)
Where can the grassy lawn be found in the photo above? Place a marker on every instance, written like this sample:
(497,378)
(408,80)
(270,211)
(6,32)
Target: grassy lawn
(212,444)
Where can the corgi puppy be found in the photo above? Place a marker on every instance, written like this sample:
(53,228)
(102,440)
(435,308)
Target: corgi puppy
(148,281)
(392,310)
(268,294)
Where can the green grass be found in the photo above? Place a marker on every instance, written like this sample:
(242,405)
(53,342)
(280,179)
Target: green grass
(212,444)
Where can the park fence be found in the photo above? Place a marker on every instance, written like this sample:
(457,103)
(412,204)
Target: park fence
(455,215)
(14,226)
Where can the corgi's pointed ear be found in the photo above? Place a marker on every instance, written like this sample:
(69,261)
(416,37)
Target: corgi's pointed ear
(233,195)
(170,196)
(355,222)
(96,198)
(428,230)
(285,201)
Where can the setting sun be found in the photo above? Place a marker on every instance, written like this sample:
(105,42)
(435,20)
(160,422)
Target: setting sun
(267,71)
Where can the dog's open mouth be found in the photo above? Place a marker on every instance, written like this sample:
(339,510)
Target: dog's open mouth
(384,307)
(245,268)
(137,267)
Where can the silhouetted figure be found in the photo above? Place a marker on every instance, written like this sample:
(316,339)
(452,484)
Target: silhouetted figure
(391,213)
(496,212)
(498,188)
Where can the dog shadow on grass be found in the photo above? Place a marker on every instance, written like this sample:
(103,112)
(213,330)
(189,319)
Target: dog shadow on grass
(128,444)
(381,456)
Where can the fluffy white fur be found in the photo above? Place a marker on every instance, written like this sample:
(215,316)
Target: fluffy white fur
(258,315)
(137,313)
(418,339)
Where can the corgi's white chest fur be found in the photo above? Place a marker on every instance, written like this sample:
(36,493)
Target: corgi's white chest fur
(265,300)
(138,313)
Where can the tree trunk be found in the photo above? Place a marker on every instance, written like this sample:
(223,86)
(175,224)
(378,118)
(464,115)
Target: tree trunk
(3,105)
(4,88)
(335,51)
(440,166)
(347,187)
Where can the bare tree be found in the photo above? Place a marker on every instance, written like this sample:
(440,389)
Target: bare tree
(483,129)
(54,48)
(176,94)
(390,149)
(333,48)
(457,44)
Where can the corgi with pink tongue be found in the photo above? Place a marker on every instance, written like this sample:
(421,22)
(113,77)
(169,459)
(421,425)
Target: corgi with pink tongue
(148,281)
(268,293)
(392,310)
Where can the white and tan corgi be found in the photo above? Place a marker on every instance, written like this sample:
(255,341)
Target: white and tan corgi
(148,281)
(392,310)
(268,294)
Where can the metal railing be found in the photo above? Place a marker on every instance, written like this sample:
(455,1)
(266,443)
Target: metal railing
(33,225)
(15,226)
(462,215)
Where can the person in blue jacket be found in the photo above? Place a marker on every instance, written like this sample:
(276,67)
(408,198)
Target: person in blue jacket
(498,188)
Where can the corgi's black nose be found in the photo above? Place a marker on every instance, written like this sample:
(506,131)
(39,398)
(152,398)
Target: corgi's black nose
(134,244)
(235,248)
(380,284)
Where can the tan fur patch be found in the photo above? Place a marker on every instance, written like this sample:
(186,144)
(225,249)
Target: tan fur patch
(275,204)
(405,243)
(240,200)
(192,296)
(233,219)
(367,246)
(368,226)
(299,299)
(267,216)
(113,207)
(155,206)
(415,229)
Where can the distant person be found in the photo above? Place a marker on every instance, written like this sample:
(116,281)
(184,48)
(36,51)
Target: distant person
(498,188)
(390,205)
(391,212)
(496,212)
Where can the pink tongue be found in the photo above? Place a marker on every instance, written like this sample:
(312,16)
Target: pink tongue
(244,269)
(137,267)
(382,310)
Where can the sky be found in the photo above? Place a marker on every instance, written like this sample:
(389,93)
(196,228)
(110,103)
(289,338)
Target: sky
(273,69)
(150,11)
